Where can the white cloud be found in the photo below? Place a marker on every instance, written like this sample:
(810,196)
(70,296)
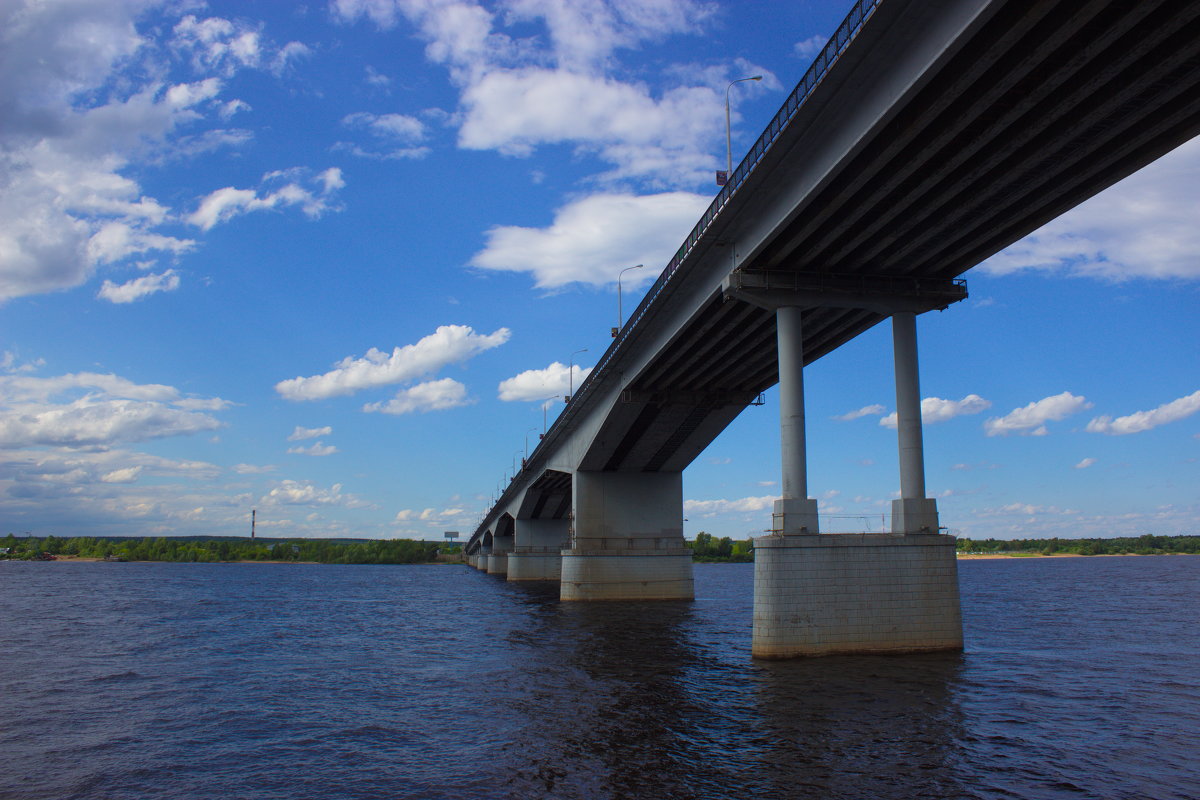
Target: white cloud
(709,508)
(83,97)
(1031,420)
(139,287)
(253,469)
(809,47)
(124,475)
(304,493)
(865,411)
(398,135)
(1145,420)
(1085,463)
(90,422)
(521,93)
(1144,227)
(935,409)
(224,204)
(593,239)
(300,434)
(93,410)
(316,449)
(449,344)
(515,111)
(430,396)
(542,384)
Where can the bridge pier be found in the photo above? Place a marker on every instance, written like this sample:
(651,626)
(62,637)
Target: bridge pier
(820,594)
(628,538)
(537,554)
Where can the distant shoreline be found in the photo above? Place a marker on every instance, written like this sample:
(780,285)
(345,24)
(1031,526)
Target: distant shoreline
(984,556)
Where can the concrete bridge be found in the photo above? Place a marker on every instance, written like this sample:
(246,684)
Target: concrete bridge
(925,138)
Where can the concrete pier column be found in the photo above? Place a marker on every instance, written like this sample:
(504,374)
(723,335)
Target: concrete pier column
(537,554)
(913,512)
(628,538)
(795,513)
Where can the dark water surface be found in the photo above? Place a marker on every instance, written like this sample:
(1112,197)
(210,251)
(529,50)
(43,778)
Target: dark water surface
(1081,679)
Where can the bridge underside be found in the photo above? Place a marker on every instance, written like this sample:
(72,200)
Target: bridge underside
(943,133)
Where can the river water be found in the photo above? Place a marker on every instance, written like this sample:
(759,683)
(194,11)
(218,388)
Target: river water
(1081,679)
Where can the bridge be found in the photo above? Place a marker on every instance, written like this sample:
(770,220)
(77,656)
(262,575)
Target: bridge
(925,138)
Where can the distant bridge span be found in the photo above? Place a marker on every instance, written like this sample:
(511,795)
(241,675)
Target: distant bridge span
(925,138)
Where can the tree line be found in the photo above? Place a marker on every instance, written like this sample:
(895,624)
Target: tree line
(323,551)
(1144,545)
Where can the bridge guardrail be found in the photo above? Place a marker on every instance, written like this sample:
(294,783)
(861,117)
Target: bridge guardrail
(833,49)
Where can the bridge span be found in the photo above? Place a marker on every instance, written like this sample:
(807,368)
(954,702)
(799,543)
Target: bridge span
(925,138)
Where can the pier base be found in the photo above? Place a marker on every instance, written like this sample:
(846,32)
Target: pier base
(624,575)
(855,594)
(497,564)
(534,566)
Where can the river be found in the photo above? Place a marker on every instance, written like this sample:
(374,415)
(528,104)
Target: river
(1080,679)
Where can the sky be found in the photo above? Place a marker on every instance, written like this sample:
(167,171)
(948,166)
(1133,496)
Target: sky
(328,260)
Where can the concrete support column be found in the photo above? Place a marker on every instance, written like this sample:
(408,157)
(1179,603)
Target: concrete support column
(628,538)
(913,512)
(498,560)
(537,553)
(795,512)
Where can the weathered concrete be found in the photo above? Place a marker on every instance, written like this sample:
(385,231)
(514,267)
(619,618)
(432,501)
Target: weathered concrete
(497,564)
(620,575)
(855,593)
(628,539)
(538,550)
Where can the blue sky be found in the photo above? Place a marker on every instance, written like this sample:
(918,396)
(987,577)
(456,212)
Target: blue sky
(326,260)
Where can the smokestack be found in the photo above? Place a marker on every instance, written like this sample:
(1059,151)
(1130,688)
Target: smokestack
(253,513)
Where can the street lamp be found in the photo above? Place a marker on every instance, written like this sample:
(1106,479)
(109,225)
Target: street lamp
(728,140)
(620,317)
(571,374)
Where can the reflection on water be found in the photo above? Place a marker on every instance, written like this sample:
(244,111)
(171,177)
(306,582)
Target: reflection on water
(1080,679)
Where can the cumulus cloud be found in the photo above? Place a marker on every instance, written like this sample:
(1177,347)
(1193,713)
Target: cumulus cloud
(449,344)
(395,136)
(809,47)
(555,380)
(1145,420)
(305,493)
(1031,420)
(139,287)
(428,514)
(521,93)
(935,409)
(279,189)
(83,97)
(710,508)
(93,410)
(593,239)
(300,434)
(1144,227)
(316,449)
(865,411)
(429,396)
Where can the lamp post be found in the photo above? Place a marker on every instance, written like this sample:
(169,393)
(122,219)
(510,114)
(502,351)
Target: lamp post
(620,316)
(728,138)
(571,374)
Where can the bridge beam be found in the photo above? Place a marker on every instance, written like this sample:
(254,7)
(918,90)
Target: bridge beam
(627,542)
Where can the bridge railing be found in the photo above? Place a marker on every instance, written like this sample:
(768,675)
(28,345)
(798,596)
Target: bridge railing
(837,44)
